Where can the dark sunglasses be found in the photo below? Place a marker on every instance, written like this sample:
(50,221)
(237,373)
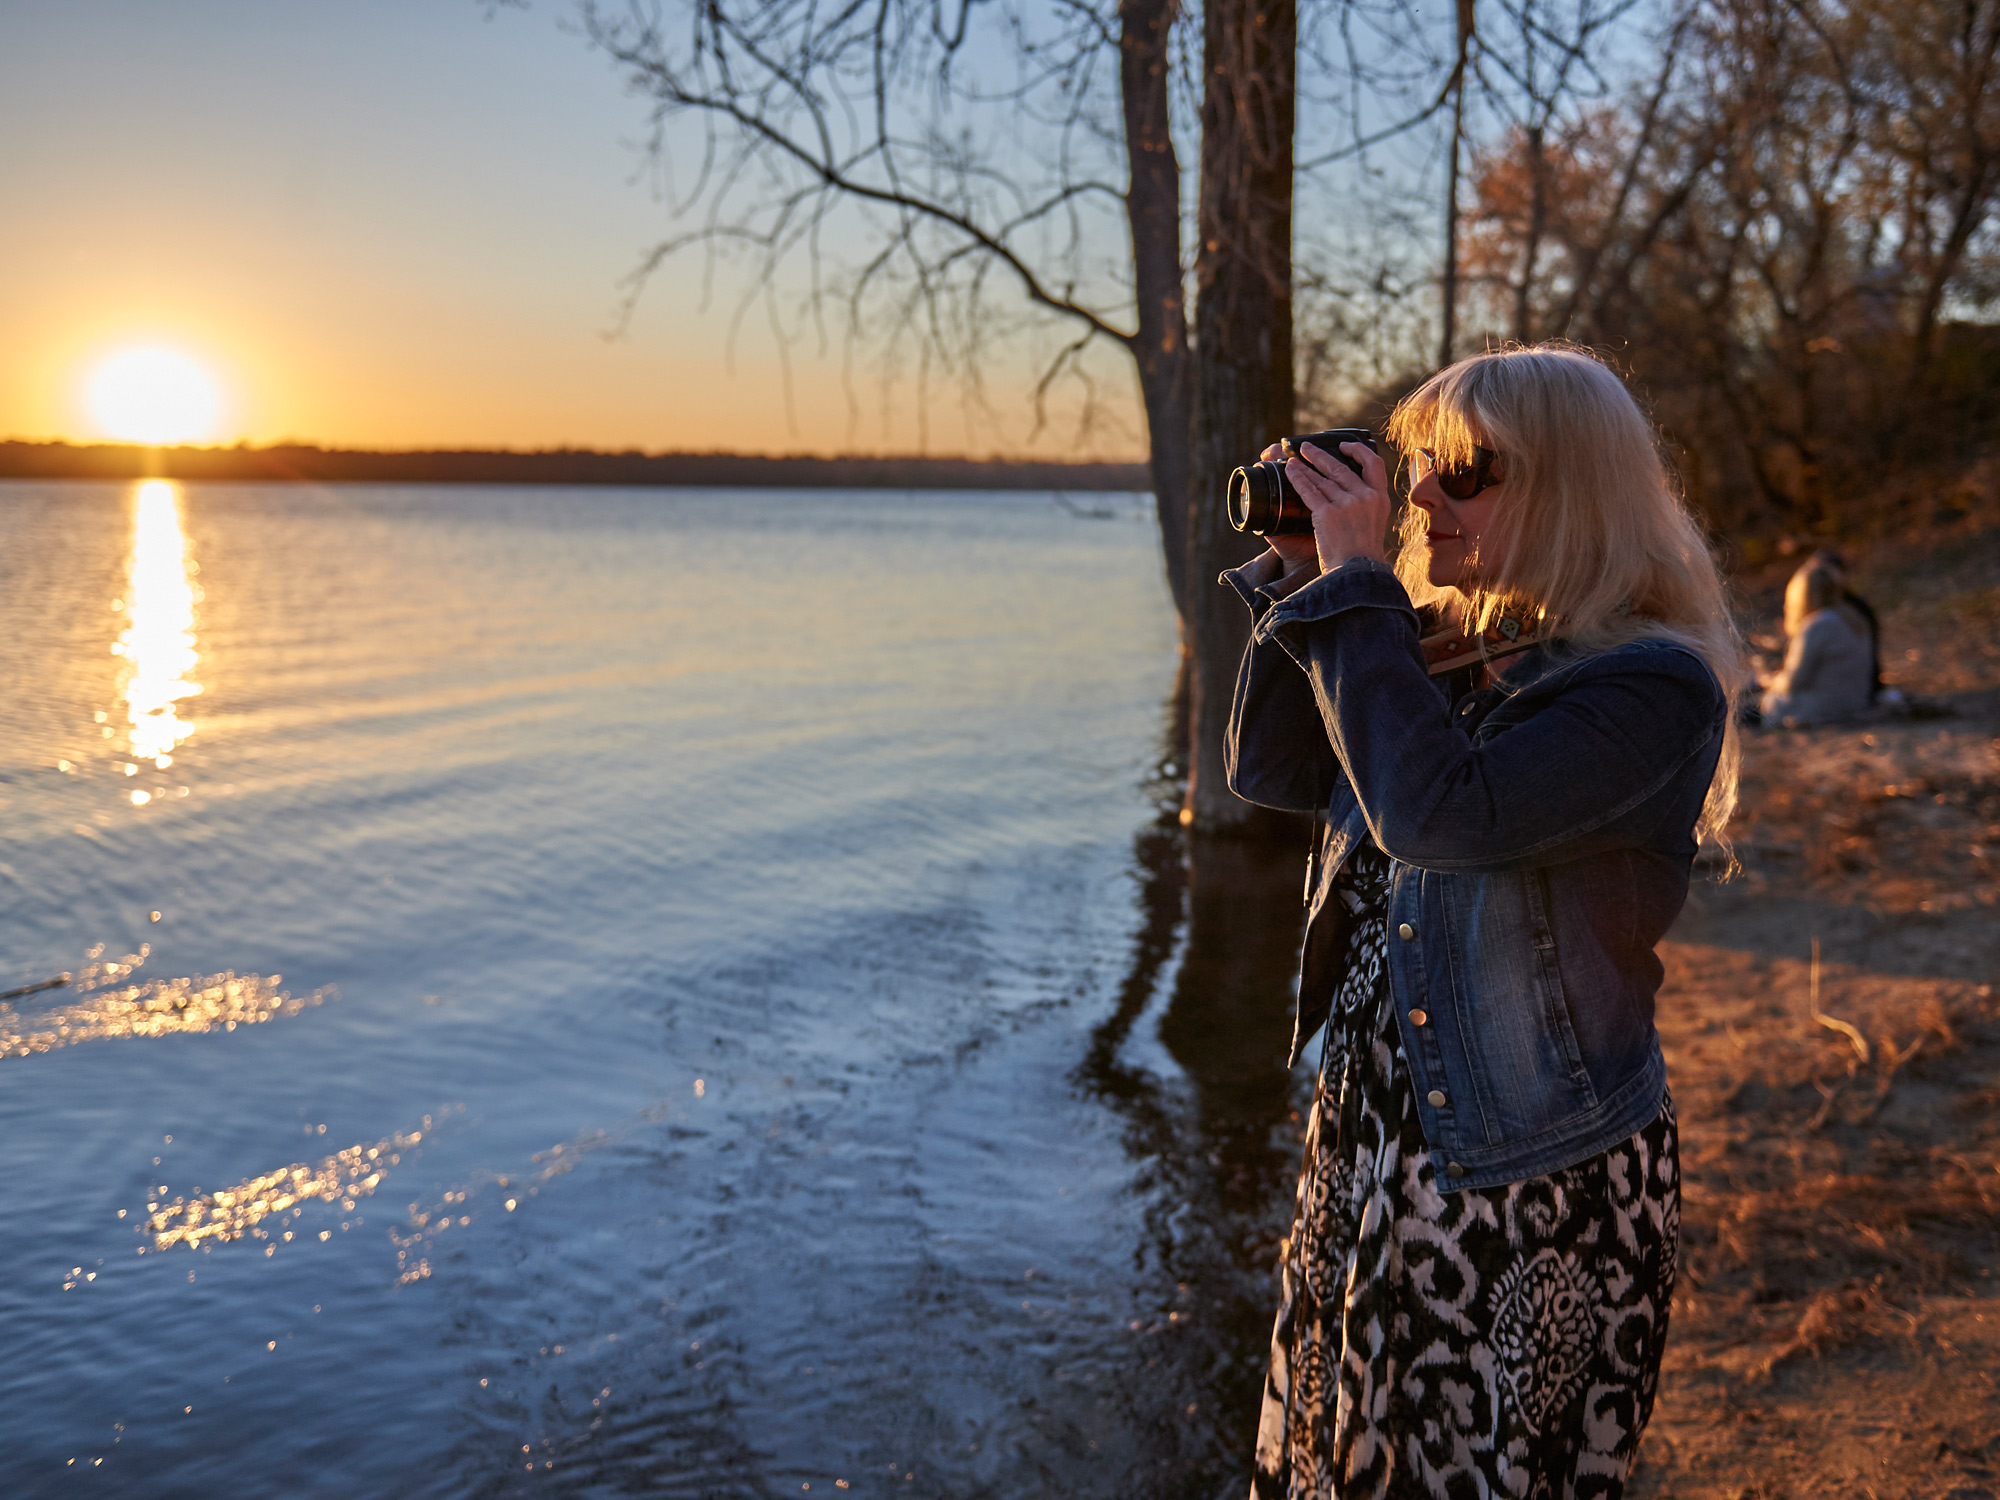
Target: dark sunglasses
(1464,483)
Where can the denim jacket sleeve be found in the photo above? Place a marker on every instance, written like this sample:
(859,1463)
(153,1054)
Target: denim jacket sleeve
(1277,753)
(1621,727)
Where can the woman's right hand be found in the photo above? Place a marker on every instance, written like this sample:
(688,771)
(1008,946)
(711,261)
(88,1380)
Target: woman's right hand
(1298,549)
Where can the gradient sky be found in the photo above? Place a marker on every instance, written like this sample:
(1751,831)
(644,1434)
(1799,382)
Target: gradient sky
(377,224)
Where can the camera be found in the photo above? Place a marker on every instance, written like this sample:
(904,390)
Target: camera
(1263,501)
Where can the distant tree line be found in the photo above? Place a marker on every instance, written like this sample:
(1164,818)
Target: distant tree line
(292,462)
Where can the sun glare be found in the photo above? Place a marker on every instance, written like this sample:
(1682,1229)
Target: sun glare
(158,644)
(154,396)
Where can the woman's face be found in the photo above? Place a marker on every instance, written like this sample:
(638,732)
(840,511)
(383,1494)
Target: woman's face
(1454,527)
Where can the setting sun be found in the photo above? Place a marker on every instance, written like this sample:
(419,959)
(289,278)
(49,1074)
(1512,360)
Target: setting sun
(154,396)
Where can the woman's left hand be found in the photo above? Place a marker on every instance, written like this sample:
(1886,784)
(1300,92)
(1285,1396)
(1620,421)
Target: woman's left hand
(1350,511)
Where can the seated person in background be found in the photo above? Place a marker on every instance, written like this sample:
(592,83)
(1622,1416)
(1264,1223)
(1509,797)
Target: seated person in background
(1830,662)
(1857,611)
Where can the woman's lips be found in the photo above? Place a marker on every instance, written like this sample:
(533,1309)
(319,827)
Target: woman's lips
(1443,536)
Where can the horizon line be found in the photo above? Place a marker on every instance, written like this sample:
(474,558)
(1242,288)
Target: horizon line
(306,445)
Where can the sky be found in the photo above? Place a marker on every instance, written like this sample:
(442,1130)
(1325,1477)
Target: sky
(379,224)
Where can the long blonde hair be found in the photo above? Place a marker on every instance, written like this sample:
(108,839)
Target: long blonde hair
(1591,536)
(1810,590)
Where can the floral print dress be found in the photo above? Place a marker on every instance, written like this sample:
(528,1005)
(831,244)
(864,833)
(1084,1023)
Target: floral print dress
(1482,1342)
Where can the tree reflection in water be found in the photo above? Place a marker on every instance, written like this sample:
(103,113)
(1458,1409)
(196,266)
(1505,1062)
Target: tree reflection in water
(1219,1144)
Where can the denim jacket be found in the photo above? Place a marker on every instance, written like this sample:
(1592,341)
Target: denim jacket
(1543,835)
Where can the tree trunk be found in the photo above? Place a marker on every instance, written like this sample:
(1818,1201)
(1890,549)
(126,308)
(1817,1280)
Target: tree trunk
(1538,219)
(1448,338)
(1243,348)
(1974,197)
(1153,211)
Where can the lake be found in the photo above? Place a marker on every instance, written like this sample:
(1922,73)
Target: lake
(593,991)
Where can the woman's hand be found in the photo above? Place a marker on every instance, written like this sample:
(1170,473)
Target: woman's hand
(1294,549)
(1350,511)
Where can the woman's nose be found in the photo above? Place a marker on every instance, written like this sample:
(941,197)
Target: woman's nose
(1425,494)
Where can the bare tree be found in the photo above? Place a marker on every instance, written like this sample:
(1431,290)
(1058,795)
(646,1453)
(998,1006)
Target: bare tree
(1508,86)
(1454,158)
(991,158)
(1931,86)
(972,148)
(1539,66)
(1774,230)
(1243,369)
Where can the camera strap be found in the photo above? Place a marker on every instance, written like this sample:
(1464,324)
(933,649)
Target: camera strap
(1451,649)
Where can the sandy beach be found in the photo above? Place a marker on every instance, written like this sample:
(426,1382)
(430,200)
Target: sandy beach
(1837,1326)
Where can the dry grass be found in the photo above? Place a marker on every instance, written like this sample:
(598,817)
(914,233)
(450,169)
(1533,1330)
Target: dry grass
(1837,1327)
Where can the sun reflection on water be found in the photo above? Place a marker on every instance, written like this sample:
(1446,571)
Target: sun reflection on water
(158,644)
(156,1007)
(281,1197)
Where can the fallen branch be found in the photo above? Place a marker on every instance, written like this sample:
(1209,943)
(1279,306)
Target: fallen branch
(35,989)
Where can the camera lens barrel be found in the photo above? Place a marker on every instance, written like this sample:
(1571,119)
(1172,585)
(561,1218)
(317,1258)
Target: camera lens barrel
(1263,501)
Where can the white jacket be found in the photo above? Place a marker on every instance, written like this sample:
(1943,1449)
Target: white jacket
(1826,675)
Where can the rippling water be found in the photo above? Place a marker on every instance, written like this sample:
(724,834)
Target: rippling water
(592,991)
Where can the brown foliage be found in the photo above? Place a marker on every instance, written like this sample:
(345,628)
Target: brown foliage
(1784,239)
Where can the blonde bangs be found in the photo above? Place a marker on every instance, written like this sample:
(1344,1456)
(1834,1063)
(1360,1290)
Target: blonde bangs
(1434,417)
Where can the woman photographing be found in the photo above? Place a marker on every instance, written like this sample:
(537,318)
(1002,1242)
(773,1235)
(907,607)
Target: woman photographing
(1516,733)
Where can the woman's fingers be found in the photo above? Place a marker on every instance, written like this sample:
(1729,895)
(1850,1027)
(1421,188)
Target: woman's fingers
(1349,510)
(1315,473)
(1273,452)
(1337,470)
(1372,468)
(1310,483)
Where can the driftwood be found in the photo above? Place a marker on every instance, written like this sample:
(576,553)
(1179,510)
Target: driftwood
(35,989)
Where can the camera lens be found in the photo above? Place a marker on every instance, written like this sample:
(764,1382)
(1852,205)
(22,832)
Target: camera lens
(1241,505)
(1262,501)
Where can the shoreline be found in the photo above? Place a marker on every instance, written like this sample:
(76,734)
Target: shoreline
(301,463)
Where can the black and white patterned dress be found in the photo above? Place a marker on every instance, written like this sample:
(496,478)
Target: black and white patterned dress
(1484,1342)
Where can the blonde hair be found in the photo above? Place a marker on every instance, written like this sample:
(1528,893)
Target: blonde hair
(1591,537)
(1811,589)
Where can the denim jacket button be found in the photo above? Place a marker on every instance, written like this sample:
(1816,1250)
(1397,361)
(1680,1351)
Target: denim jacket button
(1419,1016)
(1455,1169)
(1405,931)
(1436,1096)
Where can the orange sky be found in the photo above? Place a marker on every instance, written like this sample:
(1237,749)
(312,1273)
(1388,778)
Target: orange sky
(380,225)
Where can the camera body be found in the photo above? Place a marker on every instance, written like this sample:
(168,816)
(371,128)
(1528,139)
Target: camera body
(1262,500)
